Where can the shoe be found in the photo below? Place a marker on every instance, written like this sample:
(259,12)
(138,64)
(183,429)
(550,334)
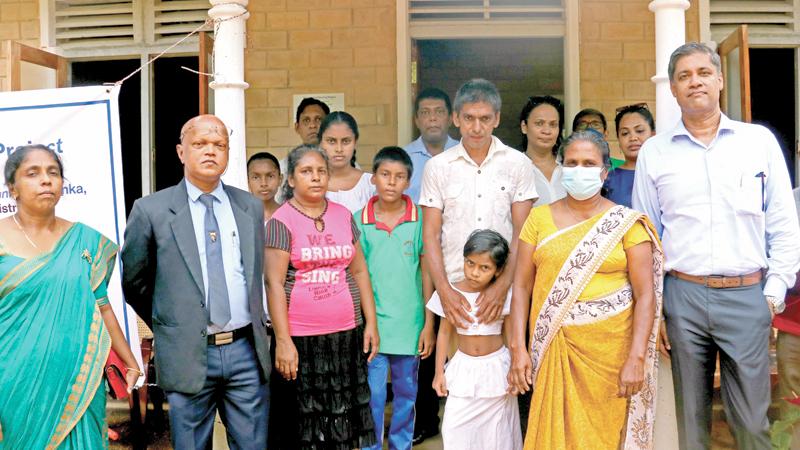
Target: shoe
(421,435)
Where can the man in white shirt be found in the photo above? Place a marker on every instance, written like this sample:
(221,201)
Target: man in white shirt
(480,183)
(719,193)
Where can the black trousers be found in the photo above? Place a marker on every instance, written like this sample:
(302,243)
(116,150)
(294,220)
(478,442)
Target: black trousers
(283,414)
(427,406)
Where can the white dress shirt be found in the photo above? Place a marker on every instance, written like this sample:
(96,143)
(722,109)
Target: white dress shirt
(548,190)
(231,253)
(475,197)
(716,213)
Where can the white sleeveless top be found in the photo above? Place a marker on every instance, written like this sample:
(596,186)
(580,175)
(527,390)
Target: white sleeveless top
(355,198)
(476,328)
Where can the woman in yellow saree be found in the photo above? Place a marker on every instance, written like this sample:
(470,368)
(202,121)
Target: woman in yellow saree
(588,278)
(56,326)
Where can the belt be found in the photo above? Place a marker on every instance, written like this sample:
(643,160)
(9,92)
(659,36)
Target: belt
(720,281)
(228,337)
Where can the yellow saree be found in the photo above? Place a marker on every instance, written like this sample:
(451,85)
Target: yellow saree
(582,324)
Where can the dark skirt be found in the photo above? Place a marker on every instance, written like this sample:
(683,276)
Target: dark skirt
(330,398)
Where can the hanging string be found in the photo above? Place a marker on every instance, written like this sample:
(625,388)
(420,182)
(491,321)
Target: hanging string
(205,24)
(189,69)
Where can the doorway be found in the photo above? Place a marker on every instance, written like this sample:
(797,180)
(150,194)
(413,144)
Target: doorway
(93,73)
(175,100)
(771,67)
(519,67)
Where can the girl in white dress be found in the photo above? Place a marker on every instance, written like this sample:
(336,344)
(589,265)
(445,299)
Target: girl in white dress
(349,186)
(480,413)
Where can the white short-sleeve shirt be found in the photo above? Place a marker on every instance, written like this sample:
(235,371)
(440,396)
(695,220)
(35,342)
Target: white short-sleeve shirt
(355,198)
(475,197)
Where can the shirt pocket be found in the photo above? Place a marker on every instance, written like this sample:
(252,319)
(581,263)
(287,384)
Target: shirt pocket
(453,204)
(751,197)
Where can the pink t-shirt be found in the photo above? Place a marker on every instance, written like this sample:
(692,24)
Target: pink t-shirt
(322,294)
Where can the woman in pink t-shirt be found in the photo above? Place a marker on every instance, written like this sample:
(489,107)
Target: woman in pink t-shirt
(323,311)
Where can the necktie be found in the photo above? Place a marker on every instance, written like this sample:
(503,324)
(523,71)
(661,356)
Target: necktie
(218,305)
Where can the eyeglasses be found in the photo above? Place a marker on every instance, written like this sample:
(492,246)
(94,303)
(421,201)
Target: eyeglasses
(631,108)
(594,124)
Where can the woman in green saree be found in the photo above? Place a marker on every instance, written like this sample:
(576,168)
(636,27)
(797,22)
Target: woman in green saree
(56,326)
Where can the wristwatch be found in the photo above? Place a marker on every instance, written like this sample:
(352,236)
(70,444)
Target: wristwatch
(778,305)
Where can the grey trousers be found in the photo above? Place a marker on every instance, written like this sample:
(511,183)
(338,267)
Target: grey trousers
(735,323)
(233,386)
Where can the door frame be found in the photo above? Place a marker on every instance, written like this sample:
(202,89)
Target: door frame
(569,31)
(17,53)
(737,40)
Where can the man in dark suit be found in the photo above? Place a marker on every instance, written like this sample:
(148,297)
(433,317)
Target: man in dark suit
(192,268)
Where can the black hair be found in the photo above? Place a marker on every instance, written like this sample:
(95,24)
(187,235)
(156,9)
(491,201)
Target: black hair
(392,154)
(17,157)
(488,241)
(263,156)
(294,157)
(435,94)
(635,109)
(340,117)
(688,49)
(589,112)
(595,138)
(534,102)
(310,101)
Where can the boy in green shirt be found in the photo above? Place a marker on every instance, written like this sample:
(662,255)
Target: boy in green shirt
(391,237)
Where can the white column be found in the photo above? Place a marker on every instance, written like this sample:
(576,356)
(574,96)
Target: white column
(670,34)
(229,40)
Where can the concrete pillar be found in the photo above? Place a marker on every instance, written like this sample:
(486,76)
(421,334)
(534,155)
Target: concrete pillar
(229,41)
(670,34)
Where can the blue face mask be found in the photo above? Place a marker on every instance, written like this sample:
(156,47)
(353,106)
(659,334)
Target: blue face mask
(581,182)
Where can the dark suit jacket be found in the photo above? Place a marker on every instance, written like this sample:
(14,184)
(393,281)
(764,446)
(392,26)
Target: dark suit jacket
(163,281)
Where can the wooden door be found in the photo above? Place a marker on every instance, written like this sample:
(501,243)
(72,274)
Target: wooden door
(734,52)
(206,66)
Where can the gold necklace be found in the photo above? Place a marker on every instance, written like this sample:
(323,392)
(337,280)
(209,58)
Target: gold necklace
(30,241)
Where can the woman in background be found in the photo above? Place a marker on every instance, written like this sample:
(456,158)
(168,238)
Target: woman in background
(348,185)
(542,124)
(634,126)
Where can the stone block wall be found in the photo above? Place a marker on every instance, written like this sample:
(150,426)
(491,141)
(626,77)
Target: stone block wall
(321,46)
(617,56)
(19,21)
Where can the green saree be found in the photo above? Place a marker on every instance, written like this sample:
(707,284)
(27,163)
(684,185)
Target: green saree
(54,344)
